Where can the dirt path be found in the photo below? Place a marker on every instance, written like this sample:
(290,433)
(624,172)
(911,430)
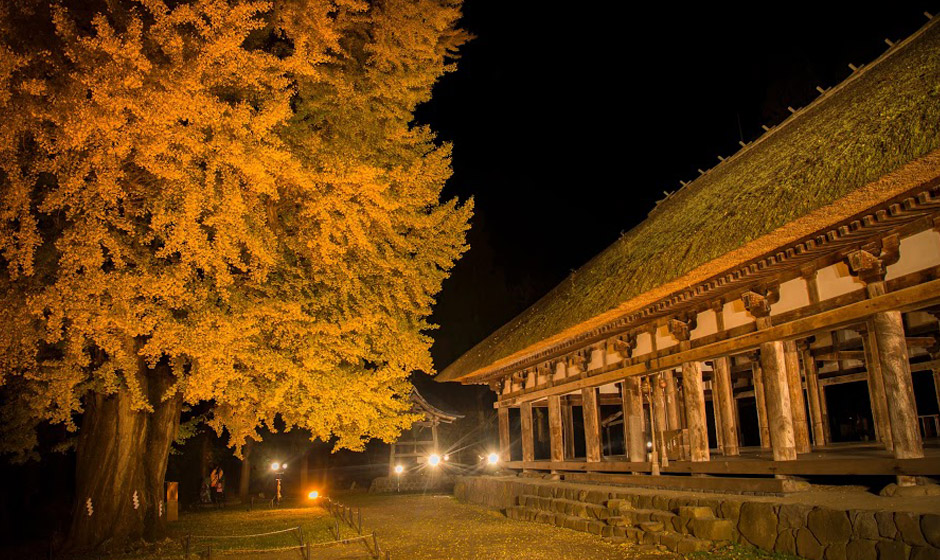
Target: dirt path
(440,528)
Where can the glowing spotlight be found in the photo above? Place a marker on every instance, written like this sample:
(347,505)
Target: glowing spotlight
(649,445)
(434,460)
(313,495)
(399,469)
(283,466)
(275,466)
(447,457)
(492,458)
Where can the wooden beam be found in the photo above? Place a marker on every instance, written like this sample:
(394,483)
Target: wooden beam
(853,466)
(502,414)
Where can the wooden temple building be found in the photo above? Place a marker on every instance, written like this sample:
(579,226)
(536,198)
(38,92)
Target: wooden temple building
(778,315)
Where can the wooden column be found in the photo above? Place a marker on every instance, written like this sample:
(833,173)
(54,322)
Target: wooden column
(757,379)
(813,395)
(716,410)
(555,431)
(672,402)
(528,441)
(723,400)
(693,389)
(633,419)
(889,344)
(876,388)
(774,373)
(797,403)
(695,410)
(505,442)
(936,385)
(592,424)
(658,405)
(567,419)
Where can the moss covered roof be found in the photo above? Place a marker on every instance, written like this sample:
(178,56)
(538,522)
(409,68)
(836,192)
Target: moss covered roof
(882,117)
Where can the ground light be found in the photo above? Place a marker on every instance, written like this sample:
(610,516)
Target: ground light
(492,458)
(399,469)
(434,460)
(275,466)
(313,495)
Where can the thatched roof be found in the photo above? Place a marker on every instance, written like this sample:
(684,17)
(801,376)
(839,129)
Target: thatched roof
(885,115)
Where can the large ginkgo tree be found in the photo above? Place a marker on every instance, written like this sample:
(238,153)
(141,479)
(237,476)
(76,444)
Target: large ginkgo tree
(215,201)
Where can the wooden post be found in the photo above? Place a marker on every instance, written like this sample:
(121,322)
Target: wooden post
(672,402)
(774,375)
(528,442)
(592,424)
(889,344)
(567,419)
(757,379)
(555,431)
(797,403)
(936,385)
(723,400)
(876,388)
(633,419)
(820,438)
(502,414)
(719,442)
(695,410)
(658,405)
(899,387)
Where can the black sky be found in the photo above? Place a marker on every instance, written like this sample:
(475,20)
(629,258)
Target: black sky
(569,120)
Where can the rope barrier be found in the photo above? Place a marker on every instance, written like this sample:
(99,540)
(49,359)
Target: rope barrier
(293,529)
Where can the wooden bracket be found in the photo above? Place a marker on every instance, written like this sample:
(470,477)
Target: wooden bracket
(758,304)
(623,345)
(870,263)
(682,327)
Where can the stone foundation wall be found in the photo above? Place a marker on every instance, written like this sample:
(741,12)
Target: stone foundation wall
(813,532)
(412,484)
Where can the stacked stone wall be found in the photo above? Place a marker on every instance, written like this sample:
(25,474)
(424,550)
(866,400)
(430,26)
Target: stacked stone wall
(812,532)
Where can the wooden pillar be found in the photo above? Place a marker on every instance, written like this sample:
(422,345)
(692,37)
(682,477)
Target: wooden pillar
(936,385)
(719,441)
(567,419)
(889,344)
(633,419)
(528,441)
(876,388)
(658,405)
(505,442)
(693,392)
(724,403)
(592,424)
(899,386)
(672,402)
(695,410)
(757,379)
(555,431)
(797,403)
(813,394)
(774,375)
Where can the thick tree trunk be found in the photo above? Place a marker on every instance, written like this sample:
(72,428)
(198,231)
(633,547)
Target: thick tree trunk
(121,464)
(244,477)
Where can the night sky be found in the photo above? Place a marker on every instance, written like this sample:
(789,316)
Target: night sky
(568,124)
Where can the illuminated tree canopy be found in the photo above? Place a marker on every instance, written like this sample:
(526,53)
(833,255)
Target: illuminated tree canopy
(219,200)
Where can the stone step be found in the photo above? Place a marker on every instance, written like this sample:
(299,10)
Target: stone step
(560,505)
(647,533)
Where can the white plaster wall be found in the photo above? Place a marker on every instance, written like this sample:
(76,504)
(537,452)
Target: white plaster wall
(664,338)
(735,314)
(918,251)
(706,324)
(559,371)
(793,295)
(835,280)
(609,389)
(597,359)
(644,344)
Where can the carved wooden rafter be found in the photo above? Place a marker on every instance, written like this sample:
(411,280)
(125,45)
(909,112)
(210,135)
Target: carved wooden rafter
(870,263)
